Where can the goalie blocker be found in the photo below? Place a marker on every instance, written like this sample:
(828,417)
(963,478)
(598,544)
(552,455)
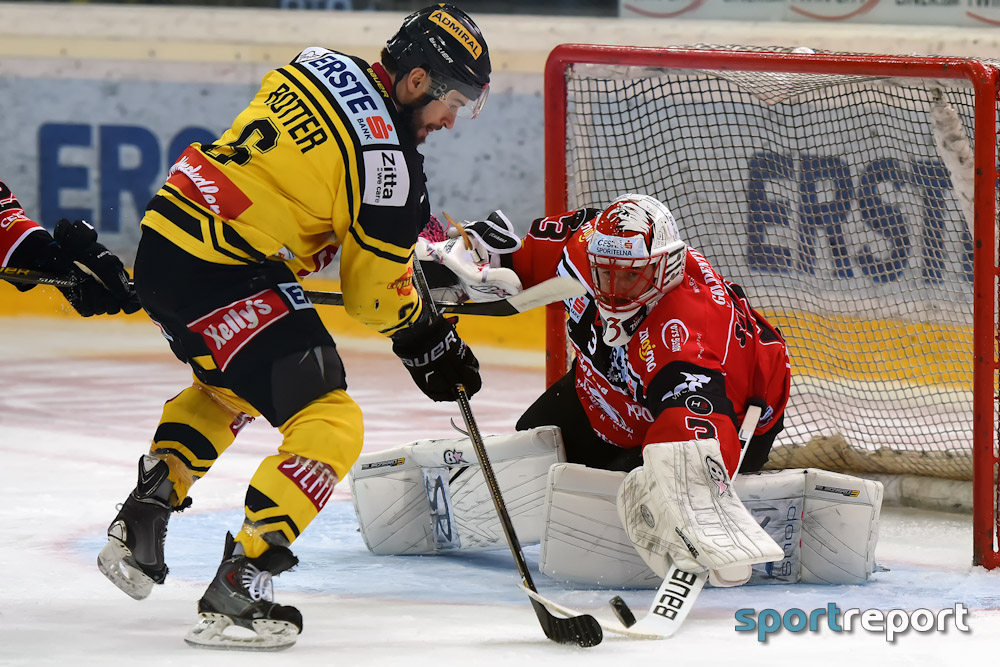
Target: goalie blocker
(428,496)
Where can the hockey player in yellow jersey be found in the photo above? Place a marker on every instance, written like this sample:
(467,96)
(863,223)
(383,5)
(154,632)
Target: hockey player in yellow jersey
(323,160)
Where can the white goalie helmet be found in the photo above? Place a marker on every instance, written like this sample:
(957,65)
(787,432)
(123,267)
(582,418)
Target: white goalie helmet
(636,255)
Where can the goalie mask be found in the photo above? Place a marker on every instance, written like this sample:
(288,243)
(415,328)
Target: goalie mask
(636,256)
(443,40)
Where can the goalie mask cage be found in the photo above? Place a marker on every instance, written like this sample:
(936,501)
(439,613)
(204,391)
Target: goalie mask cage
(854,198)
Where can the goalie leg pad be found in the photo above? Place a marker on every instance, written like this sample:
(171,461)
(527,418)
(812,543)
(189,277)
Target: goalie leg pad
(679,507)
(828,533)
(582,538)
(430,496)
(826,522)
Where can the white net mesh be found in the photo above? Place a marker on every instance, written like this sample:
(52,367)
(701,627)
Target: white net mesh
(843,212)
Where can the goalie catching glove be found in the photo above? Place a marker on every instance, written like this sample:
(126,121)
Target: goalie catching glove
(437,358)
(679,507)
(480,277)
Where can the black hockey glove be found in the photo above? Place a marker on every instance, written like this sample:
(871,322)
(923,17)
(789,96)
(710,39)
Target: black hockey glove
(104,286)
(437,359)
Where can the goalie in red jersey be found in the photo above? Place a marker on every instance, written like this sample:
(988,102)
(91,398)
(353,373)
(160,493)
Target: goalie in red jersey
(670,357)
(666,348)
(674,373)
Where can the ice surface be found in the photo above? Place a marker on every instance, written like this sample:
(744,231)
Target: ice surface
(81,399)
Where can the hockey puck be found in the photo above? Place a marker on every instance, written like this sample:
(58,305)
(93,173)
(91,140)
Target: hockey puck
(622,611)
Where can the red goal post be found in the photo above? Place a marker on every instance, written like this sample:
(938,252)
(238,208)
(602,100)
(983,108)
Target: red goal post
(853,196)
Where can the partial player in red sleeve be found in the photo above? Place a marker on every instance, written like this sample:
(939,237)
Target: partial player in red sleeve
(103,286)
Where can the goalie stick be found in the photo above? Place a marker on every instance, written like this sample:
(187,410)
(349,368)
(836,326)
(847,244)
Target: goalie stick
(580,629)
(542,294)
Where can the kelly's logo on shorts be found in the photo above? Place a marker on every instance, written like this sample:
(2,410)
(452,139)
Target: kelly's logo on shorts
(226,330)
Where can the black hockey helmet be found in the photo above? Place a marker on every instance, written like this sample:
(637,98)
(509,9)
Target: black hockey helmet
(447,43)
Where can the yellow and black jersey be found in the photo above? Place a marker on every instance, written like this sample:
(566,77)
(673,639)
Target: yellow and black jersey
(319,161)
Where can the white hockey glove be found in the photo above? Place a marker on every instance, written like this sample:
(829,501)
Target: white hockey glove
(478,268)
(679,507)
(491,237)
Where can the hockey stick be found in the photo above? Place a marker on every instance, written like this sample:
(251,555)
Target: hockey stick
(582,630)
(670,607)
(542,294)
(32,277)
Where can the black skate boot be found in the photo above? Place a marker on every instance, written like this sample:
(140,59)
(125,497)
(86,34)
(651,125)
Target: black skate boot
(133,557)
(242,594)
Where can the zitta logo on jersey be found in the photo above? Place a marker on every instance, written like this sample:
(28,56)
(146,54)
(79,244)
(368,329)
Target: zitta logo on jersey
(387,181)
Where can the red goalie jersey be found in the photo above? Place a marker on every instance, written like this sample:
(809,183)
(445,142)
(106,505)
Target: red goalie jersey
(692,363)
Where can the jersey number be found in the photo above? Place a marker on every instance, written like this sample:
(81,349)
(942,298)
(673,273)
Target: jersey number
(239,151)
(702,428)
(557,228)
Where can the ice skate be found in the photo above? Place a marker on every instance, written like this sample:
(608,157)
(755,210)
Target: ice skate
(242,595)
(133,557)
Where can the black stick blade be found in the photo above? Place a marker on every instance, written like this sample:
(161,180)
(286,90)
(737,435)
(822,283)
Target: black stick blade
(583,630)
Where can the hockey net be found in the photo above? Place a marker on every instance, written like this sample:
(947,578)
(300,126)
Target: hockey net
(854,199)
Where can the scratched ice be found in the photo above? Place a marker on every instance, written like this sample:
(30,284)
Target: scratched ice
(81,399)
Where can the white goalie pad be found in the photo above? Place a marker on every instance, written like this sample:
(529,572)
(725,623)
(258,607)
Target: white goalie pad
(430,496)
(582,539)
(825,522)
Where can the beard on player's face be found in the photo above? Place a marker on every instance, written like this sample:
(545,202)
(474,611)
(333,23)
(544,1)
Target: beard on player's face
(427,118)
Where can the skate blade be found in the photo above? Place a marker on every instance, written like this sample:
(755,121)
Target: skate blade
(269,635)
(113,562)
